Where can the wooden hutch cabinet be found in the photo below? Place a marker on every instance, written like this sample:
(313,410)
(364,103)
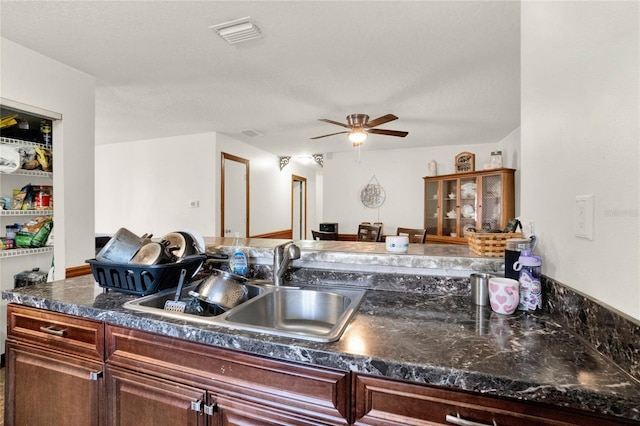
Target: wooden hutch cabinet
(455,203)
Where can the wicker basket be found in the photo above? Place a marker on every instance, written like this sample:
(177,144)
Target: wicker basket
(490,245)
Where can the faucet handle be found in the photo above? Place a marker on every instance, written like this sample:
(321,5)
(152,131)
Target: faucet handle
(294,251)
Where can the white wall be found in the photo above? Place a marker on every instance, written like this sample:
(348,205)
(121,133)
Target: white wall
(400,173)
(580,136)
(31,78)
(146,186)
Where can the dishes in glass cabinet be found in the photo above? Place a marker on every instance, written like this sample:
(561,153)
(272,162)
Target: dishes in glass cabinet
(468,190)
(468,211)
(451,214)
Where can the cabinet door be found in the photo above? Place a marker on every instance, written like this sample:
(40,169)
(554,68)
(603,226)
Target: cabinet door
(450,211)
(432,210)
(468,205)
(388,402)
(139,400)
(302,391)
(48,388)
(492,203)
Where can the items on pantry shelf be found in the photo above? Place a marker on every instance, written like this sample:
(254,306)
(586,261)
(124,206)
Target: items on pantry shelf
(13,158)
(34,233)
(30,197)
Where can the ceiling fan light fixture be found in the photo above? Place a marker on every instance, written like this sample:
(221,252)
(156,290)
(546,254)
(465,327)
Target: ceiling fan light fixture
(357,137)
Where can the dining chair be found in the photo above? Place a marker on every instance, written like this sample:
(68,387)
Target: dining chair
(416,235)
(369,233)
(324,235)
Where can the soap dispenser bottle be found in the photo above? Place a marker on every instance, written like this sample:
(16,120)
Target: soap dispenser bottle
(238,263)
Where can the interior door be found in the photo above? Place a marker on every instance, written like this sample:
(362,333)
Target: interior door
(298,207)
(234,196)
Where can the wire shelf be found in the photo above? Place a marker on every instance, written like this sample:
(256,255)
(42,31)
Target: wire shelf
(24,251)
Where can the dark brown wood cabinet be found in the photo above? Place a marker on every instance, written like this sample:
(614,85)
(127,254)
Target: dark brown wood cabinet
(239,388)
(137,399)
(379,401)
(55,366)
(54,369)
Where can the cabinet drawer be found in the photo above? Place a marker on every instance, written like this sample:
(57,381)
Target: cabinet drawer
(381,401)
(57,332)
(304,390)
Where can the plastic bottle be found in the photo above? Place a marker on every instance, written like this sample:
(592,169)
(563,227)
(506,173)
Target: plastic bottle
(529,267)
(238,263)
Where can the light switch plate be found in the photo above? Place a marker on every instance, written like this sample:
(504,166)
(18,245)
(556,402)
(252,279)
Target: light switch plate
(584,216)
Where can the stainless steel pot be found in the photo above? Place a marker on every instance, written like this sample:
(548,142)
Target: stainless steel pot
(222,289)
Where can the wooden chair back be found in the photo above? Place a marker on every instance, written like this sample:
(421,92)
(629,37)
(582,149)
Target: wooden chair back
(416,235)
(369,233)
(323,235)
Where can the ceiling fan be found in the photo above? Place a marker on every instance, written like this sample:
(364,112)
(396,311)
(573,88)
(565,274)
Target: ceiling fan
(359,127)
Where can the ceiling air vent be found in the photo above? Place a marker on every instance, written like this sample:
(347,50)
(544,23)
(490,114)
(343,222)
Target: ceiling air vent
(251,132)
(237,31)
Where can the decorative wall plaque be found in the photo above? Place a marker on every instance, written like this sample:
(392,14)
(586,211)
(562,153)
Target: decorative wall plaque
(372,196)
(465,162)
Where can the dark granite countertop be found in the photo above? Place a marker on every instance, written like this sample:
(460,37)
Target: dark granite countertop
(441,340)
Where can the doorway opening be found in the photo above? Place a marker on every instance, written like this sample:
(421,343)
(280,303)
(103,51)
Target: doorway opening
(234,196)
(298,207)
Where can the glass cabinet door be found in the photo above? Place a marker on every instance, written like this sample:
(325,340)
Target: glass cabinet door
(450,208)
(432,204)
(468,205)
(491,202)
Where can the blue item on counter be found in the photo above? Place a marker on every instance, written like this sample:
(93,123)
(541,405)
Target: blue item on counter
(239,264)
(529,267)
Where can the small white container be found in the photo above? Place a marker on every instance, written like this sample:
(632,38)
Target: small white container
(397,244)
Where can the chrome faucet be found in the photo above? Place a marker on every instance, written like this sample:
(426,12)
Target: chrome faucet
(282,257)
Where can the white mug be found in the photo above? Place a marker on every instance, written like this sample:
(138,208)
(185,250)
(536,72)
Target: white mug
(504,295)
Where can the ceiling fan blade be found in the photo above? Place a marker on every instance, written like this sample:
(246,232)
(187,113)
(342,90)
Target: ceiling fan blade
(334,122)
(331,134)
(388,132)
(380,120)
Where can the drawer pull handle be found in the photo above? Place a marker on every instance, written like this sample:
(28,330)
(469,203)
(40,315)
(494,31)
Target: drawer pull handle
(53,331)
(195,405)
(210,409)
(457,420)
(95,375)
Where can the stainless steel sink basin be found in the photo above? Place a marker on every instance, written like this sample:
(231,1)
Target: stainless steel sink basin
(318,315)
(314,314)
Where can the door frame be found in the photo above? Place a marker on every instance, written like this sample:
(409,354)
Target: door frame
(230,157)
(303,215)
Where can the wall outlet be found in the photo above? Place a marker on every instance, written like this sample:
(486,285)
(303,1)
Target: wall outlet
(193,204)
(584,217)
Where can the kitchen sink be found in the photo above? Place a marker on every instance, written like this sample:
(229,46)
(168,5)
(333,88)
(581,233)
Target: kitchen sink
(315,314)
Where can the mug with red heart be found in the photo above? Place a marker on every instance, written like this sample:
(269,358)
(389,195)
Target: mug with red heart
(504,295)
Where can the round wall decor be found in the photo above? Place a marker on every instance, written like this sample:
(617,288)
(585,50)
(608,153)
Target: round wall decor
(372,196)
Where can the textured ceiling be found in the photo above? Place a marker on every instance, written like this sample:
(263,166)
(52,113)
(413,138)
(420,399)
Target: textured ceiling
(450,70)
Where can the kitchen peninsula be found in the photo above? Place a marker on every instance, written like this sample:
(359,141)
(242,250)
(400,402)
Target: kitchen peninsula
(417,341)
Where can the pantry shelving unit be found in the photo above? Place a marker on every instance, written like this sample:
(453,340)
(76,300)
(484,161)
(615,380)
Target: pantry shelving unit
(16,260)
